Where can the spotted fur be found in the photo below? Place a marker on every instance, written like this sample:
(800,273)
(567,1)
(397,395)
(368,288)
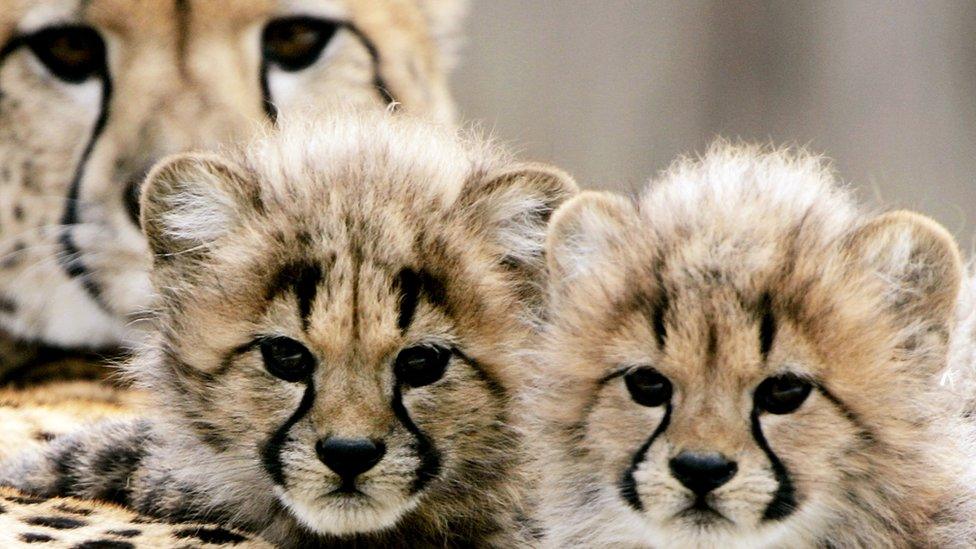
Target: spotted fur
(358,237)
(180,75)
(68,523)
(740,267)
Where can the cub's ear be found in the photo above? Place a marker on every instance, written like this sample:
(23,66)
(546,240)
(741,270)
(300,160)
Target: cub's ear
(191,200)
(511,209)
(918,261)
(585,232)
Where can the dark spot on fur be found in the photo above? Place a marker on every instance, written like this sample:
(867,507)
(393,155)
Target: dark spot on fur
(767,325)
(407,283)
(7,306)
(124,533)
(657,319)
(25,500)
(19,212)
(35,538)
(73,510)
(103,544)
(44,436)
(211,535)
(13,257)
(303,278)
(113,466)
(58,523)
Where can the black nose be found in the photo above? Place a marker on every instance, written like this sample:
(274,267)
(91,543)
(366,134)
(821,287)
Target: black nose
(702,472)
(349,457)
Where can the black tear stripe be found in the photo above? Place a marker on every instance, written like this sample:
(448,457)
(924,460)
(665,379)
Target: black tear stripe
(430,459)
(628,485)
(270,109)
(271,451)
(374,54)
(69,259)
(784,499)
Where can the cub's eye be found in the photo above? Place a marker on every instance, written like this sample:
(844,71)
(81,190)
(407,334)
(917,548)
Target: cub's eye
(294,43)
(421,365)
(648,387)
(72,53)
(286,358)
(782,394)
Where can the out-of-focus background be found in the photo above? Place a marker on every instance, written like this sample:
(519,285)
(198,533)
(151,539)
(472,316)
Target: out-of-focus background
(612,90)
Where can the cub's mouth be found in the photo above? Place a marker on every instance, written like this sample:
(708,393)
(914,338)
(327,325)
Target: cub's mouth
(702,514)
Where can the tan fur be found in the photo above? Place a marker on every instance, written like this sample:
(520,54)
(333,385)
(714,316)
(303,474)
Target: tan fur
(314,233)
(65,523)
(717,252)
(31,417)
(183,75)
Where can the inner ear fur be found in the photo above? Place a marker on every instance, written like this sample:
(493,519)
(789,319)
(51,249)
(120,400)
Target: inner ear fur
(192,199)
(584,233)
(918,261)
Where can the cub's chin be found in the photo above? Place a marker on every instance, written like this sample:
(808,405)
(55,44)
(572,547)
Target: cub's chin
(344,513)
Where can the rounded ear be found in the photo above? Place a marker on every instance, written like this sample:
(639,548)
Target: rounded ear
(584,231)
(512,209)
(918,261)
(190,200)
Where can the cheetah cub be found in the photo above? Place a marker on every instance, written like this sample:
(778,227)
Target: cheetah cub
(340,309)
(742,359)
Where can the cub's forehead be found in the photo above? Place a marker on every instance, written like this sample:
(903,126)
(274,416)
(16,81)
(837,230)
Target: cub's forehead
(366,159)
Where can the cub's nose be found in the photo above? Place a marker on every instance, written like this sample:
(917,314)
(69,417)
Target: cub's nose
(349,457)
(702,472)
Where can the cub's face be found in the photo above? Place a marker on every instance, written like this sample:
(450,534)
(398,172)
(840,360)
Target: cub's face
(93,93)
(350,340)
(717,387)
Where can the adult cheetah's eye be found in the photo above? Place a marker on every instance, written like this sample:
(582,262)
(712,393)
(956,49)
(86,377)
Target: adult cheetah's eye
(421,365)
(782,394)
(73,53)
(648,387)
(286,358)
(294,43)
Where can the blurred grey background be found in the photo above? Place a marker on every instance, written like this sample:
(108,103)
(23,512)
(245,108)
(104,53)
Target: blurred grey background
(612,90)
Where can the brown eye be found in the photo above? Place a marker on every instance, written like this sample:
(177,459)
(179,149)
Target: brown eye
(421,365)
(782,394)
(648,387)
(72,53)
(286,358)
(294,43)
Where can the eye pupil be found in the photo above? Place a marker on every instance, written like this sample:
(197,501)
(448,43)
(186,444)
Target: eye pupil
(782,394)
(421,365)
(294,43)
(286,358)
(72,53)
(648,387)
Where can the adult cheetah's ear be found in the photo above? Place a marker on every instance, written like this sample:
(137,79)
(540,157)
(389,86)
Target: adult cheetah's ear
(511,210)
(190,200)
(585,233)
(919,263)
(445,19)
